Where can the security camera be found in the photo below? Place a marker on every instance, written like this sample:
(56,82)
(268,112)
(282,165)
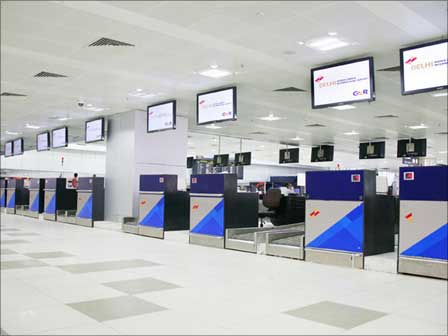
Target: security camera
(80,103)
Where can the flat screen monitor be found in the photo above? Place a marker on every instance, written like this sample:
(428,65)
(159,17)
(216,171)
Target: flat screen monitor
(372,150)
(343,83)
(161,117)
(424,67)
(17,146)
(59,137)
(322,153)
(8,149)
(290,155)
(411,148)
(43,141)
(215,106)
(94,130)
(190,162)
(221,160)
(243,159)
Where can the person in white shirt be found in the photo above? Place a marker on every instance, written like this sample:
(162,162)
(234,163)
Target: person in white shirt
(287,189)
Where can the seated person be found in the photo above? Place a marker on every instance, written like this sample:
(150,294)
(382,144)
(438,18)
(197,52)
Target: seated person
(287,189)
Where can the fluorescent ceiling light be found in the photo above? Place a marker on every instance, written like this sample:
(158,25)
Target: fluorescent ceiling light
(32,126)
(416,127)
(444,152)
(213,126)
(270,117)
(300,42)
(351,133)
(64,119)
(326,43)
(215,73)
(140,94)
(296,138)
(343,107)
(332,33)
(440,94)
(12,133)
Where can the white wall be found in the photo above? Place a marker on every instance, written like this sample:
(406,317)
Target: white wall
(259,172)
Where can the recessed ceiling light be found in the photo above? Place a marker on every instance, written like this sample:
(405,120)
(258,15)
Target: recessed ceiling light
(326,43)
(343,107)
(214,66)
(270,117)
(32,126)
(440,94)
(89,105)
(12,133)
(139,90)
(215,73)
(332,33)
(213,126)
(296,139)
(416,127)
(351,133)
(64,118)
(300,42)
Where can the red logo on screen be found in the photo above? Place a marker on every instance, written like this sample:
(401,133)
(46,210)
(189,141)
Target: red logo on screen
(315,213)
(151,113)
(226,114)
(408,216)
(318,79)
(195,206)
(412,59)
(201,102)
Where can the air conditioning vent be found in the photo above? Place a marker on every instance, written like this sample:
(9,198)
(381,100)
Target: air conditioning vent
(380,138)
(258,133)
(386,116)
(329,143)
(391,69)
(442,133)
(46,74)
(290,89)
(315,125)
(107,42)
(11,94)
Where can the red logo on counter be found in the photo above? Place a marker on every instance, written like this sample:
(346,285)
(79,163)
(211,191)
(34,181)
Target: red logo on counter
(142,202)
(356,178)
(408,176)
(195,206)
(315,213)
(408,216)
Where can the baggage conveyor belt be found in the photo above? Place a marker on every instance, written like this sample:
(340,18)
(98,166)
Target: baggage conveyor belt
(286,243)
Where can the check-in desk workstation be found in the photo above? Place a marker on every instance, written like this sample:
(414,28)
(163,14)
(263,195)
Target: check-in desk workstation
(58,199)
(423,238)
(215,206)
(161,207)
(36,198)
(345,219)
(3,184)
(89,203)
(16,195)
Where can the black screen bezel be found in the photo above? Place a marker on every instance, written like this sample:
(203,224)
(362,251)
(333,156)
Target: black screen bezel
(414,141)
(234,117)
(66,137)
(48,141)
(102,130)
(378,143)
(226,156)
(288,149)
(174,116)
(326,148)
(249,154)
(13,146)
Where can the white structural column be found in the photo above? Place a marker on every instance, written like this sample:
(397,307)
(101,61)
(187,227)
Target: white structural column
(131,152)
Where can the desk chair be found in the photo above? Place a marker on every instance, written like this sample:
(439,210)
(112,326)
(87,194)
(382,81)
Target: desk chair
(271,201)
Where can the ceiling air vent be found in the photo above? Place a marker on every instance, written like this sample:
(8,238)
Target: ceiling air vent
(11,94)
(290,89)
(315,125)
(380,138)
(329,143)
(107,42)
(46,74)
(391,69)
(442,133)
(258,133)
(386,116)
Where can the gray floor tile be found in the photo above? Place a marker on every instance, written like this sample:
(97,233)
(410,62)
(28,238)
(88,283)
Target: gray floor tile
(106,266)
(115,308)
(142,285)
(45,255)
(14,241)
(9,229)
(21,264)
(7,251)
(22,234)
(336,314)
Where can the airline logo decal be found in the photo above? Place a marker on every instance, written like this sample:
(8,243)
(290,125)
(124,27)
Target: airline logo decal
(142,202)
(356,178)
(412,59)
(360,93)
(315,213)
(409,217)
(318,79)
(408,176)
(195,207)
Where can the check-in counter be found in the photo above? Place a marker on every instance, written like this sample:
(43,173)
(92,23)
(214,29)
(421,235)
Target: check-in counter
(161,206)
(3,185)
(345,219)
(215,205)
(287,243)
(59,201)
(90,201)
(16,195)
(423,233)
(35,198)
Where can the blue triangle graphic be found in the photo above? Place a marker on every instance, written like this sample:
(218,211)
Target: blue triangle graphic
(51,207)
(155,216)
(12,200)
(3,200)
(213,223)
(86,211)
(35,205)
(435,245)
(345,235)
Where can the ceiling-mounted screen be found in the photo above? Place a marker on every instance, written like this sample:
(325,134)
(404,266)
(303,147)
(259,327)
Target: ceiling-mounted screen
(17,147)
(190,160)
(94,130)
(243,159)
(43,141)
(290,155)
(411,148)
(343,83)
(424,67)
(322,153)
(221,160)
(59,137)
(8,148)
(215,106)
(161,117)
(372,150)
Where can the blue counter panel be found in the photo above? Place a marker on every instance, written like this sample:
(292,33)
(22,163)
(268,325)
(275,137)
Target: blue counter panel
(347,185)
(424,183)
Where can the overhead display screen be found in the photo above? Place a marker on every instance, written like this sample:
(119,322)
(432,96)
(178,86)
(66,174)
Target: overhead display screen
(43,141)
(322,153)
(95,130)
(221,160)
(343,83)
(161,117)
(18,146)
(8,148)
(243,159)
(290,155)
(215,106)
(59,137)
(411,148)
(372,150)
(424,67)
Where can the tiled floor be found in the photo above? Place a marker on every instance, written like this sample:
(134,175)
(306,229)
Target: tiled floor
(71,280)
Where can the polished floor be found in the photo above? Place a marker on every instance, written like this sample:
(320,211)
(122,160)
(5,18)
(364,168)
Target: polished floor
(60,279)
